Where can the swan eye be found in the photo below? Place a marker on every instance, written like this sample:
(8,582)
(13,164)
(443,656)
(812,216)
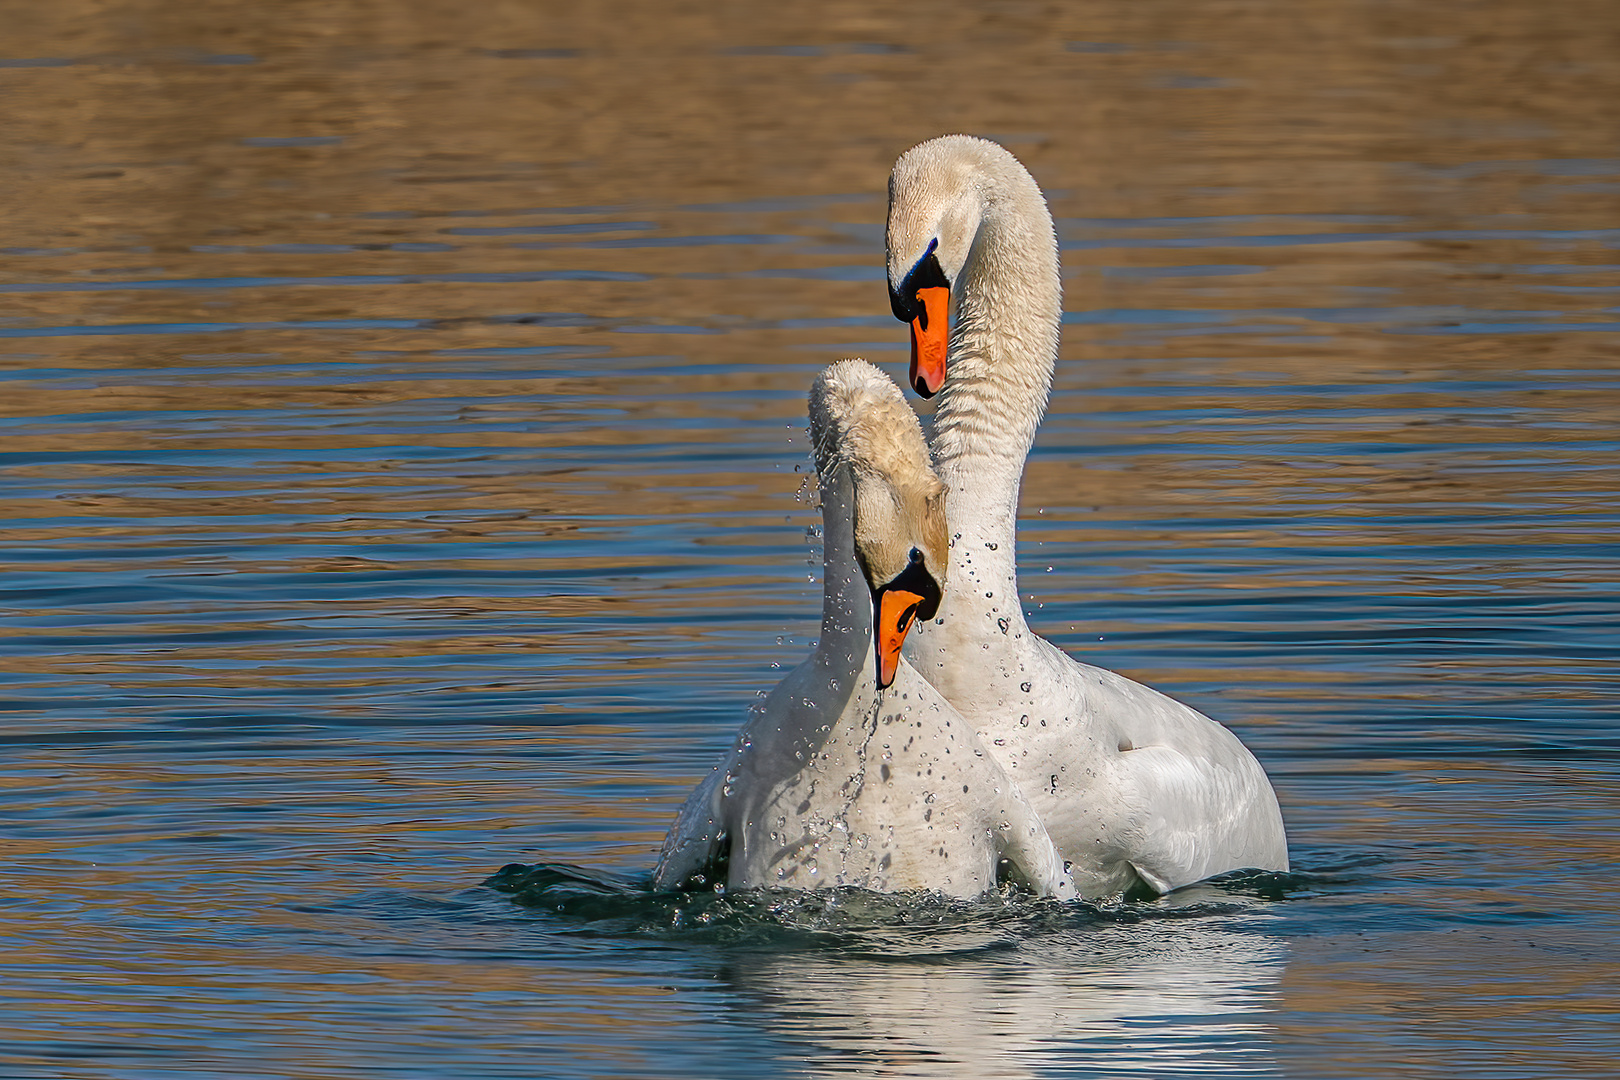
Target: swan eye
(916,556)
(924,274)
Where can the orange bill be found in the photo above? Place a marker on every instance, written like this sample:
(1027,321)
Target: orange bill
(930,332)
(896,609)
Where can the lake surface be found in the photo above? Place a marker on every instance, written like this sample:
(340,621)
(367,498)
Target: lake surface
(403,474)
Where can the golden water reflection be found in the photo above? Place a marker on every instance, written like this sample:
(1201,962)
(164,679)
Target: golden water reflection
(403,471)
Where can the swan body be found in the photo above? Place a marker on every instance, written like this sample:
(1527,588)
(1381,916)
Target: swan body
(1132,785)
(855,770)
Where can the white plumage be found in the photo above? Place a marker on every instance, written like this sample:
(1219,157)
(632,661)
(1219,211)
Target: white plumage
(832,780)
(1131,784)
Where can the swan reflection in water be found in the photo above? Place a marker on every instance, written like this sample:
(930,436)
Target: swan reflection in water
(922,985)
(1188,997)
(1148,996)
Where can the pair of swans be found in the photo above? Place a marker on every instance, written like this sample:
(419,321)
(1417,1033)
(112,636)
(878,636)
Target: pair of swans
(984,753)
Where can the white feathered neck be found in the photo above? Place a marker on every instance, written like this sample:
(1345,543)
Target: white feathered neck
(996,243)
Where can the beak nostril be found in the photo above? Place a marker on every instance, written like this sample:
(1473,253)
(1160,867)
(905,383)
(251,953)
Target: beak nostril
(896,609)
(930,340)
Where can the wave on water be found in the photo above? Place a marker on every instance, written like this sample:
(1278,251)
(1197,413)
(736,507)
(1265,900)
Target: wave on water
(854,919)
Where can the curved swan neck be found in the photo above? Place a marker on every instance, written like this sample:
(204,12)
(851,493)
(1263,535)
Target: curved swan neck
(1008,302)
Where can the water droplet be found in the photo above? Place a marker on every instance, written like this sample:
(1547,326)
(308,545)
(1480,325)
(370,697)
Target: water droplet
(1025,687)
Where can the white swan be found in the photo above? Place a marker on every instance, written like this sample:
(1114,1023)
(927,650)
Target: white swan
(1130,783)
(855,771)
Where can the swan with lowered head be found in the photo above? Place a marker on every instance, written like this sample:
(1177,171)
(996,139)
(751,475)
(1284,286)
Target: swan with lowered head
(854,770)
(1132,785)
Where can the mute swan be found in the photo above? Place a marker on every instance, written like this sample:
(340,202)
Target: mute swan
(854,771)
(1131,784)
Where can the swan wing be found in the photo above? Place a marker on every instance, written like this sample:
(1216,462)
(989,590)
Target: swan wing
(697,842)
(1193,815)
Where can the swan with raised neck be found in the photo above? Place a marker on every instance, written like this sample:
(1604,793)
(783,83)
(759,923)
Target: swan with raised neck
(1131,784)
(854,770)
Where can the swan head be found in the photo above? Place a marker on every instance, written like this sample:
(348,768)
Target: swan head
(941,193)
(860,422)
(935,206)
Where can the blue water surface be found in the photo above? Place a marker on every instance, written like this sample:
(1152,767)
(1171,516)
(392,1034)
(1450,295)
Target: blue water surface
(376,585)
